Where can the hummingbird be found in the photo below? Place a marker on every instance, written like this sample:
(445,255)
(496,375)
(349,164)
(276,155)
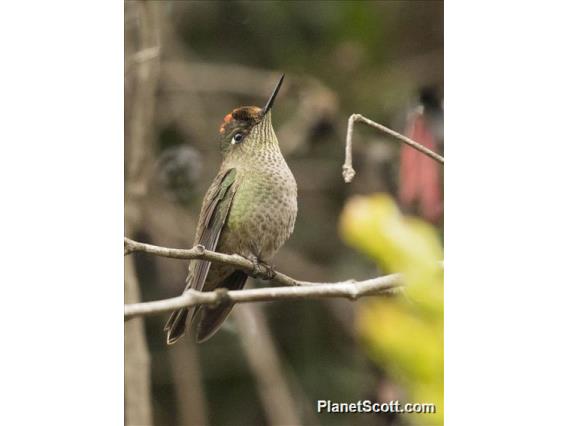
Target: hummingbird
(249,209)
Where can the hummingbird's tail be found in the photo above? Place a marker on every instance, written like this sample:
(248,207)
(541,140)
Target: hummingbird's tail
(175,327)
(211,319)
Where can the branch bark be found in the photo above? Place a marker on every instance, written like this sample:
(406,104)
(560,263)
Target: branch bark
(349,172)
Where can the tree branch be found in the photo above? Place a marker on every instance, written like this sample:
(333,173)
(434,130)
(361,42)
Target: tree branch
(199,252)
(350,289)
(349,172)
(347,289)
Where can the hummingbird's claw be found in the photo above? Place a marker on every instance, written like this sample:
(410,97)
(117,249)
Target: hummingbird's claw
(269,272)
(261,270)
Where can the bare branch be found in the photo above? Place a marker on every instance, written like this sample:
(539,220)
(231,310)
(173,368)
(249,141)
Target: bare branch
(349,172)
(347,289)
(199,252)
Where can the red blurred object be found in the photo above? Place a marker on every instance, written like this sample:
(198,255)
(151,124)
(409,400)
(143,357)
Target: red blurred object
(420,183)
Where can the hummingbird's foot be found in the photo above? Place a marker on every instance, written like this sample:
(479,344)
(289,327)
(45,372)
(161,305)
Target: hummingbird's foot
(261,270)
(269,272)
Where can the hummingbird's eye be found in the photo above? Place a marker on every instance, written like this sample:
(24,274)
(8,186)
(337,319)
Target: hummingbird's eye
(238,138)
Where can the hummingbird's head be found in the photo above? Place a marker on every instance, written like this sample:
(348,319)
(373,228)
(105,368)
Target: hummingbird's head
(248,129)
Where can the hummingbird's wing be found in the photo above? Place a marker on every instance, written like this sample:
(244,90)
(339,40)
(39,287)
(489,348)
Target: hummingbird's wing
(213,215)
(214,212)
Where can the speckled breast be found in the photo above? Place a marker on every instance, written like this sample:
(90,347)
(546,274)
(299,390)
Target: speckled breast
(263,211)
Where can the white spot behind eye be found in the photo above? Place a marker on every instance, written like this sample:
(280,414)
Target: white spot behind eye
(238,138)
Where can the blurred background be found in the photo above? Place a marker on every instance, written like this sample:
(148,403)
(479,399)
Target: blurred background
(189,63)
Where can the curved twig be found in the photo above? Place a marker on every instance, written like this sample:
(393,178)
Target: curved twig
(349,172)
(199,252)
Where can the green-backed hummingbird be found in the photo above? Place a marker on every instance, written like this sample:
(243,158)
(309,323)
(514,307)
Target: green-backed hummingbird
(249,209)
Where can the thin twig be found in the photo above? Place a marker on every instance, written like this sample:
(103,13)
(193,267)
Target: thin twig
(349,172)
(347,289)
(198,252)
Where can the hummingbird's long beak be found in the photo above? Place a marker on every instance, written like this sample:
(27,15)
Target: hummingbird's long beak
(273,96)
